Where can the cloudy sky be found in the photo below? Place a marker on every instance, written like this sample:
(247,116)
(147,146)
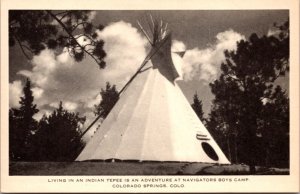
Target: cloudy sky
(203,34)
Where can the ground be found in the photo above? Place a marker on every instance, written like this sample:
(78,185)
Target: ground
(134,168)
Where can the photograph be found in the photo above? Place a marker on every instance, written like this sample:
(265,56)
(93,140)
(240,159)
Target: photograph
(152,99)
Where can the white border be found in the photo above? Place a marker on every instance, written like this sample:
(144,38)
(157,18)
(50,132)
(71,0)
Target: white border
(255,184)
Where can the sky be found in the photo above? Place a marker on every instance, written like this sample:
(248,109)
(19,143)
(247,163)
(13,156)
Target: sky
(204,35)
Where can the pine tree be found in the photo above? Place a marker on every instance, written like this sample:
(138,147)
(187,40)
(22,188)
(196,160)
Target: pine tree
(197,106)
(275,127)
(15,142)
(22,125)
(247,77)
(27,109)
(36,30)
(109,98)
(58,136)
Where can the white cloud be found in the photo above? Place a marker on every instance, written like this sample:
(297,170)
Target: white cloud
(37,92)
(58,78)
(15,92)
(178,46)
(43,65)
(65,58)
(41,113)
(84,41)
(203,64)
(125,48)
(26,73)
(70,106)
(54,104)
(228,40)
(93,100)
(91,16)
(273,32)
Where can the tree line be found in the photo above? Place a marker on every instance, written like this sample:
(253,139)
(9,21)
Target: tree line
(249,117)
(55,137)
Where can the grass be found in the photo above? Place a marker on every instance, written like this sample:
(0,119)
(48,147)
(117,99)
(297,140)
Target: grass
(134,168)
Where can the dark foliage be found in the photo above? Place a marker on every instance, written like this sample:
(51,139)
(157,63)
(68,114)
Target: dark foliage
(197,106)
(57,138)
(22,125)
(53,138)
(275,129)
(240,120)
(34,30)
(109,98)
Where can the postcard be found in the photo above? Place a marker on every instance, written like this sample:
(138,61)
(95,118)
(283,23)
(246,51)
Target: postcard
(154,96)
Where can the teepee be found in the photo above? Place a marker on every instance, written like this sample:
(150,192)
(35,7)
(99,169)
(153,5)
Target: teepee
(153,121)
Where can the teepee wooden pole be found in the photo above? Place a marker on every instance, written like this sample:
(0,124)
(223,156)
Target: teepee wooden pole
(151,27)
(145,33)
(152,21)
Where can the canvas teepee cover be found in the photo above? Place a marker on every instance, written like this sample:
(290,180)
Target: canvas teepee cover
(153,121)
